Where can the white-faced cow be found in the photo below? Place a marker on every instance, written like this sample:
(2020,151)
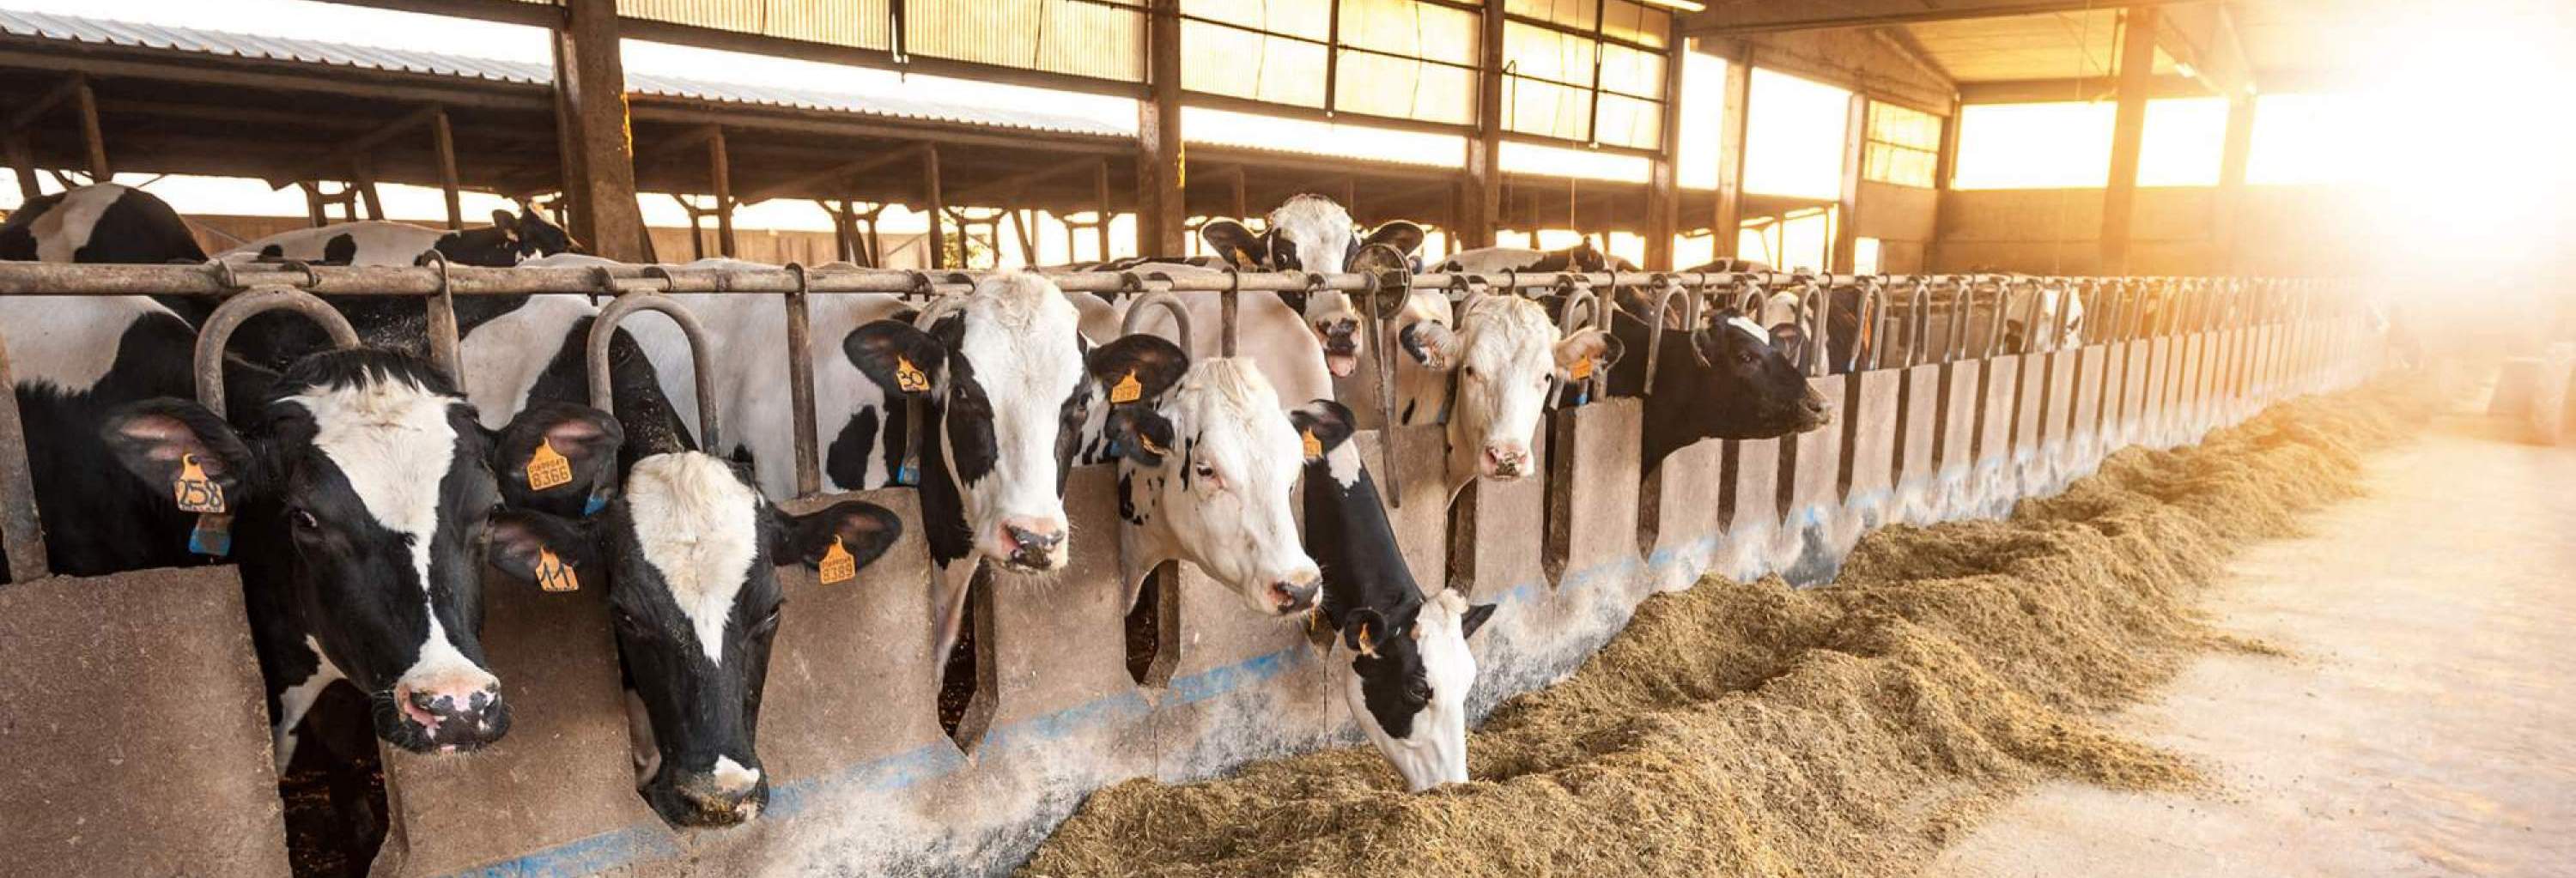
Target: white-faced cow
(1204,475)
(1311,233)
(1511,353)
(689,553)
(1401,661)
(510,239)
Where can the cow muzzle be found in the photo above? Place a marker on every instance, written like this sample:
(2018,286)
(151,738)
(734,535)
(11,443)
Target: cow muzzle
(1031,545)
(727,796)
(1504,463)
(449,714)
(1292,594)
(1341,346)
(1814,412)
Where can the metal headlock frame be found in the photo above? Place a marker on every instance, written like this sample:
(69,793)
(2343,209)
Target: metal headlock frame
(291,285)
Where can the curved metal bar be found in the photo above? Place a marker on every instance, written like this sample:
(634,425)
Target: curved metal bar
(1229,311)
(441,308)
(603,394)
(1665,291)
(1148,296)
(1995,331)
(224,275)
(800,384)
(1578,298)
(229,316)
(1918,322)
(1817,306)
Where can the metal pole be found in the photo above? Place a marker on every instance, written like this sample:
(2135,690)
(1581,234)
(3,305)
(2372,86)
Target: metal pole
(443,138)
(720,174)
(937,206)
(21,533)
(800,385)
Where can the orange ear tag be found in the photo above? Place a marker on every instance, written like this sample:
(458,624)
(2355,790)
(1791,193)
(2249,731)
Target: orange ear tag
(1127,389)
(1147,443)
(555,575)
(837,567)
(193,490)
(548,468)
(1314,446)
(1582,369)
(908,377)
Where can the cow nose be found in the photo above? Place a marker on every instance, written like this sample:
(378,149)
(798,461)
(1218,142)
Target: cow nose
(1505,461)
(457,712)
(1033,542)
(727,796)
(1295,593)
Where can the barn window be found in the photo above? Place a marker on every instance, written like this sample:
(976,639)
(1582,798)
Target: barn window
(1793,139)
(1703,100)
(1394,59)
(1903,146)
(2034,146)
(2182,142)
(1588,71)
(2306,139)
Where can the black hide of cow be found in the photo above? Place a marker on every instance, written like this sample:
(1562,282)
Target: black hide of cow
(1716,381)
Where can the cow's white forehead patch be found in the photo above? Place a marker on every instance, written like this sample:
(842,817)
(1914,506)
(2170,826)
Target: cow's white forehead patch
(1319,229)
(1750,328)
(698,526)
(392,440)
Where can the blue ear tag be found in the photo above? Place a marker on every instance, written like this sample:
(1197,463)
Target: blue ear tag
(908,475)
(1582,397)
(213,535)
(1114,451)
(593,505)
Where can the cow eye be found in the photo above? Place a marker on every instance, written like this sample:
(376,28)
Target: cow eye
(767,623)
(304,521)
(1471,372)
(1208,473)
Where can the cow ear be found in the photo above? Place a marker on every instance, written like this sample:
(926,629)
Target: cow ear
(1137,367)
(556,454)
(1237,245)
(900,358)
(1324,424)
(1363,629)
(1139,434)
(861,529)
(178,446)
(505,220)
(1431,344)
(1473,619)
(1405,237)
(1789,340)
(1599,347)
(540,549)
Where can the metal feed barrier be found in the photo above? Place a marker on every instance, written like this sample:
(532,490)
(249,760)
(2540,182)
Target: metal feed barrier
(1937,417)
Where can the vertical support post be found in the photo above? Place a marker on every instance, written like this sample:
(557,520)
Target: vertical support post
(362,175)
(1242,208)
(720,177)
(1162,213)
(1944,166)
(2231,184)
(313,203)
(1663,192)
(2137,78)
(1480,198)
(444,139)
(23,161)
(598,145)
(937,204)
(1100,197)
(93,143)
(1728,216)
(1847,209)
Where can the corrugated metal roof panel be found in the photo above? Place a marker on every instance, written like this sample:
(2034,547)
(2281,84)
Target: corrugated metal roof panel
(150,36)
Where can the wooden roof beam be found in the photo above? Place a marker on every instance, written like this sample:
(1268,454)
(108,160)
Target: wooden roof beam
(1019,180)
(800,182)
(365,143)
(35,109)
(2090,88)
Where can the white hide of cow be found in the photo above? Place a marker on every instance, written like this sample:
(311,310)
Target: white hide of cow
(1510,355)
(1230,513)
(378,242)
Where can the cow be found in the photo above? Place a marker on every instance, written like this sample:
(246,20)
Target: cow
(1204,474)
(99,223)
(1725,379)
(1311,233)
(1511,354)
(1008,386)
(1400,660)
(510,239)
(1268,331)
(689,552)
(1583,257)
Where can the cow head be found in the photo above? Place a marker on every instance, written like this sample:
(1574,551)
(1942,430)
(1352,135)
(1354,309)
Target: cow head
(1311,233)
(2018,340)
(363,489)
(1204,475)
(1512,351)
(1743,384)
(1004,372)
(1407,678)
(689,557)
(510,239)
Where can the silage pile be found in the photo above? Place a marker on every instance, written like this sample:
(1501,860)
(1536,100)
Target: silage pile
(1751,729)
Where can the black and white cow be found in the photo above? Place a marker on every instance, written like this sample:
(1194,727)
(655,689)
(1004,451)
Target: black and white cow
(1311,233)
(360,487)
(1582,257)
(1510,353)
(509,240)
(101,223)
(1401,661)
(1204,476)
(689,552)
(1722,380)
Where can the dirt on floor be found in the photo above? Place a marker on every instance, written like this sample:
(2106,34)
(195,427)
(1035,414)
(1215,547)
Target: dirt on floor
(1752,729)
